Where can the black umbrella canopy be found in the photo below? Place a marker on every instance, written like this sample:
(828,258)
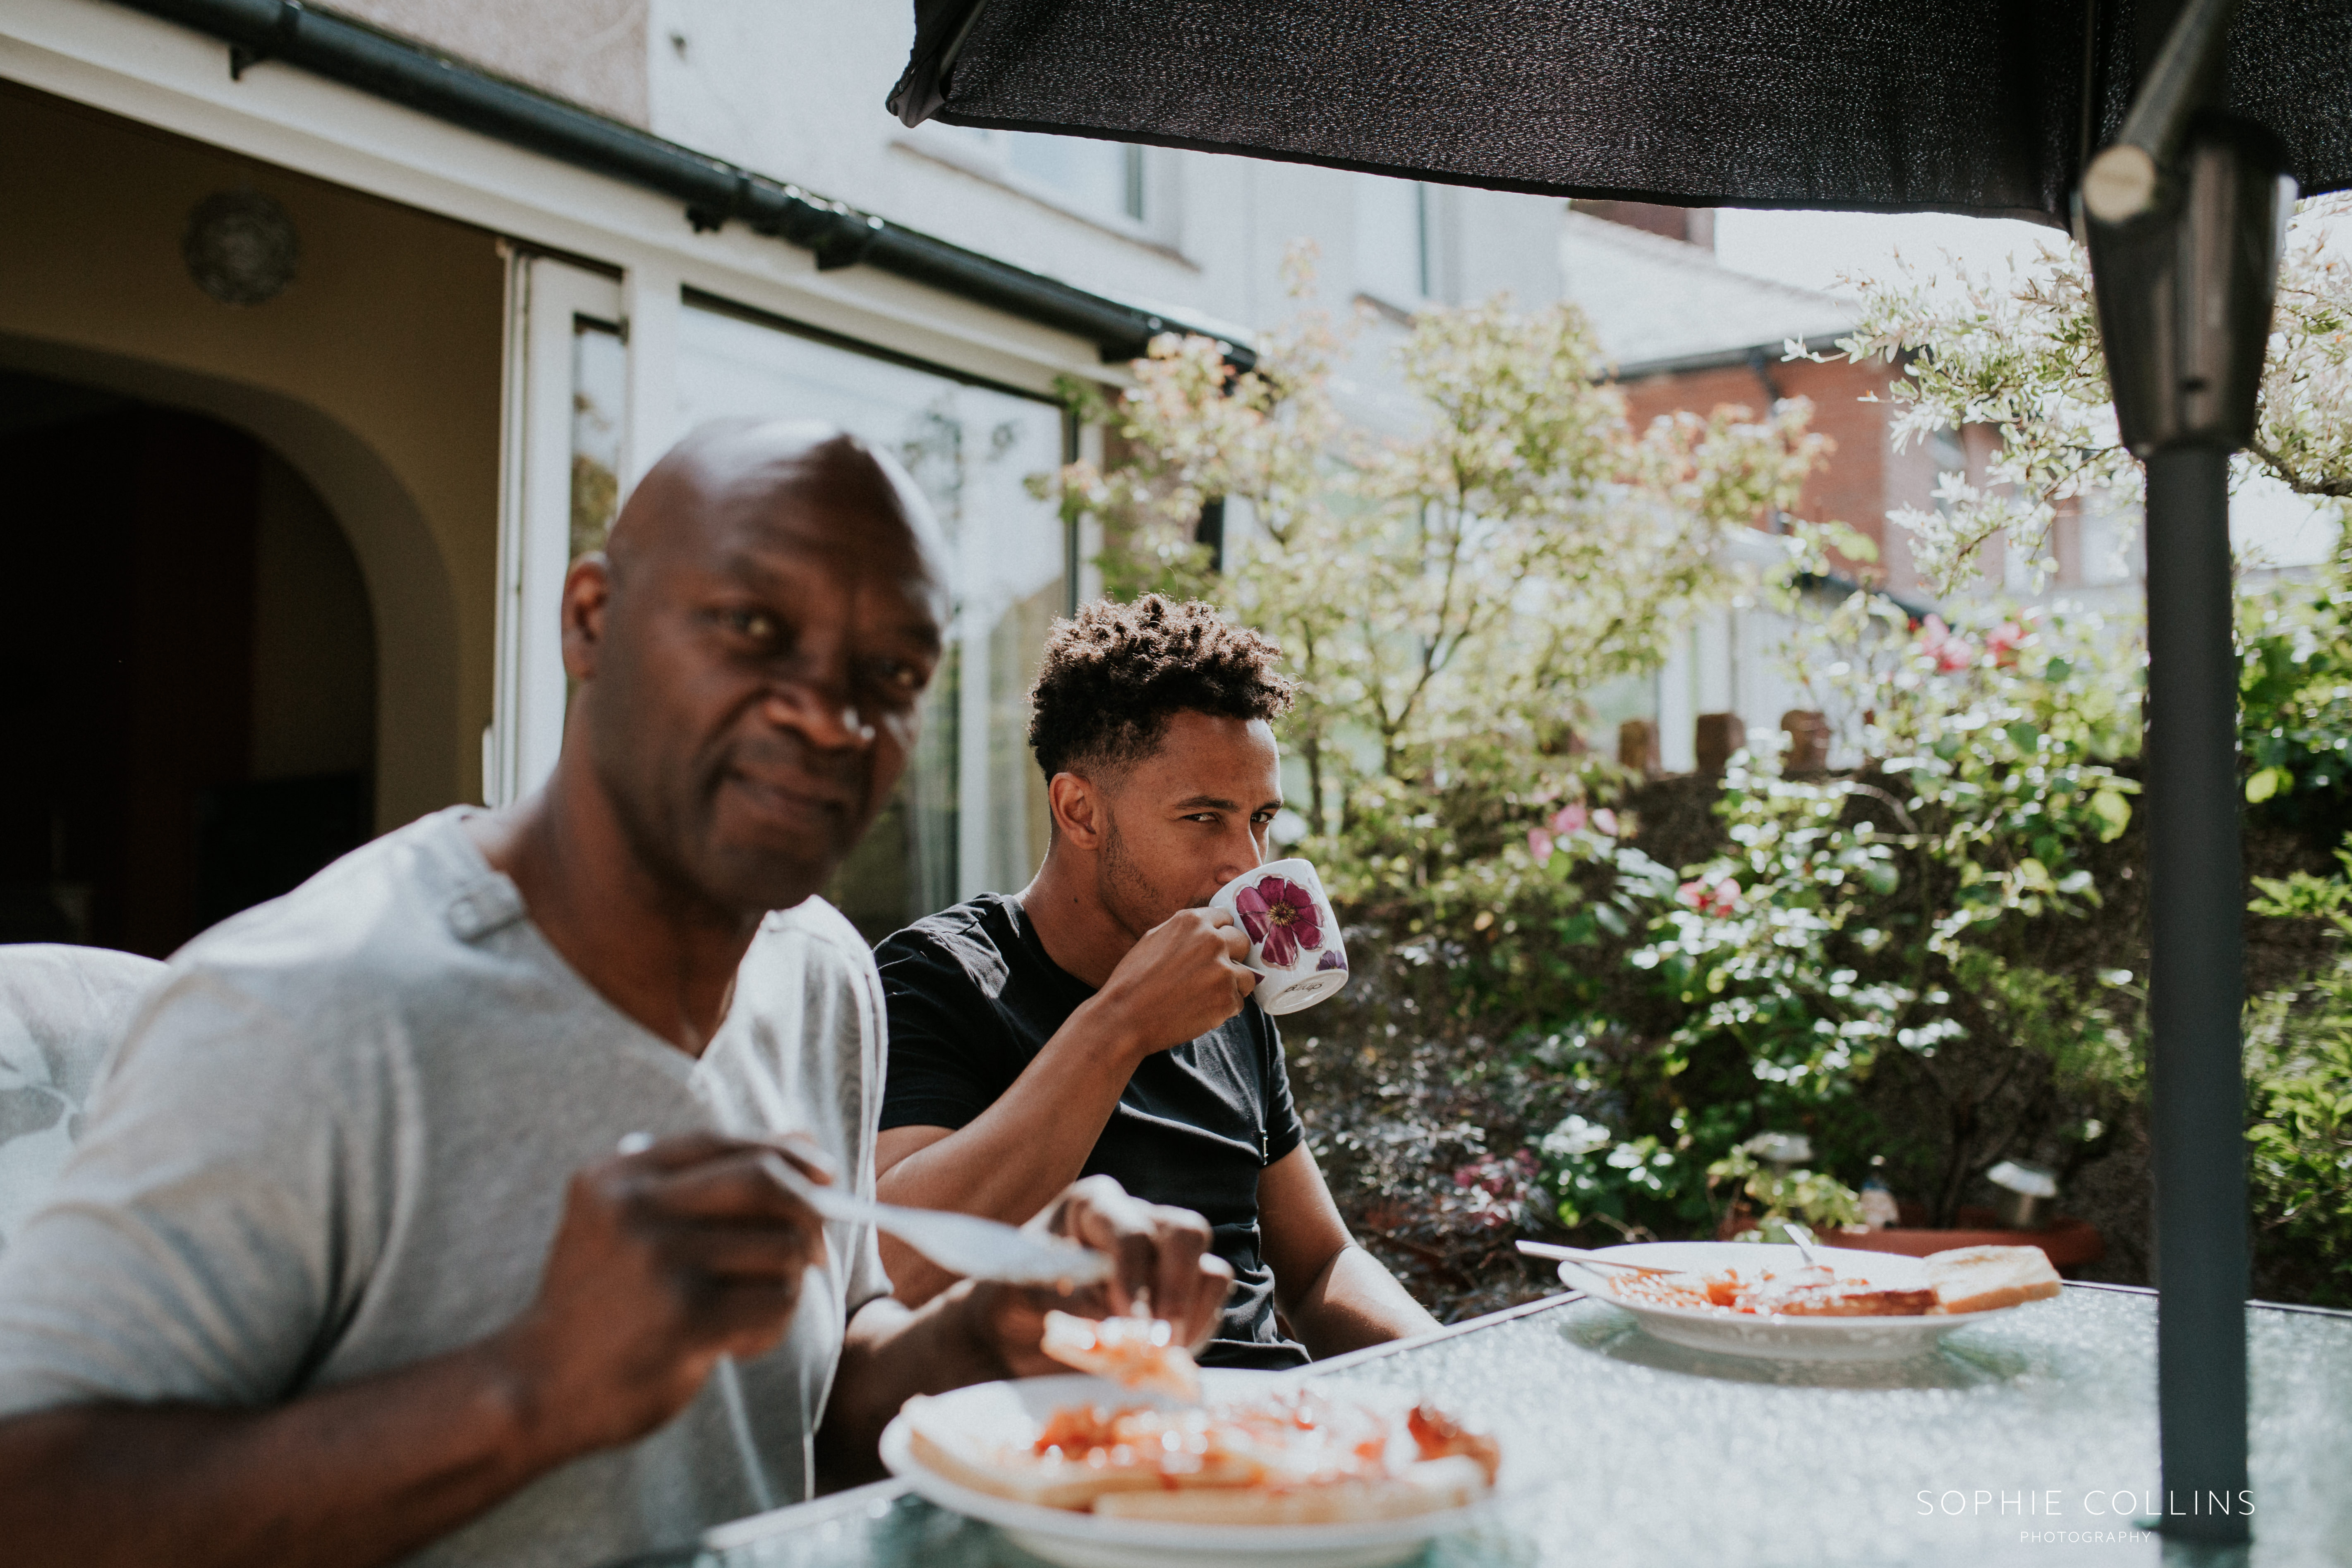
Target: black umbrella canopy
(1975,106)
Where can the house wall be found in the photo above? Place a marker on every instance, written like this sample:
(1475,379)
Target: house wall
(1215,229)
(590,51)
(375,376)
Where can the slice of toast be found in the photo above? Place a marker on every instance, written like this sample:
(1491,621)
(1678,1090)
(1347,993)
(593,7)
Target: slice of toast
(1981,1279)
(1851,1301)
(1426,1487)
(1133,1352)
(1045,1483)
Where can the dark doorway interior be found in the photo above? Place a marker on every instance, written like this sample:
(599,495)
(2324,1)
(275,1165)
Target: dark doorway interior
(187,672)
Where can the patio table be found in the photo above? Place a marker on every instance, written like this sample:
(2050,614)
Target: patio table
(2029,1438)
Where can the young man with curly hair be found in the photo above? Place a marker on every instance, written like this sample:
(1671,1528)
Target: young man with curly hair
(1099,1021)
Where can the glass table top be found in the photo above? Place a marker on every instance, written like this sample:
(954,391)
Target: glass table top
(2030,1438)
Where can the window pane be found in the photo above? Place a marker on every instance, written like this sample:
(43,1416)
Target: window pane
(965,818)
(1101,176)
(600,368)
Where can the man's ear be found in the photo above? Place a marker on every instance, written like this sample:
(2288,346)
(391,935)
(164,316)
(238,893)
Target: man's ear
(1079,814)
(587,596)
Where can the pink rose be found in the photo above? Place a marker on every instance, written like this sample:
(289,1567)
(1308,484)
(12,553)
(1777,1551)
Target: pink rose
(1949,650)
(1569,819)
(2004,641)
(1539,845)
(1606,821)
(1718,899)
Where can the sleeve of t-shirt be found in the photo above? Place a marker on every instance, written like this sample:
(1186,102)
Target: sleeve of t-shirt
(198,1244)
(1284,1130)
(937,1077)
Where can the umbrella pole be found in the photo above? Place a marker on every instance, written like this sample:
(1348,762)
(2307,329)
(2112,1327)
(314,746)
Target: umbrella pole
(2197,980)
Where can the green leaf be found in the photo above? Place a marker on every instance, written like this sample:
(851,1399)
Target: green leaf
(2024,736)
(2265,783)
(2113,813)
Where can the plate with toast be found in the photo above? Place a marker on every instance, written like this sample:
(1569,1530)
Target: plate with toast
(1748,1299)
(1264,1469)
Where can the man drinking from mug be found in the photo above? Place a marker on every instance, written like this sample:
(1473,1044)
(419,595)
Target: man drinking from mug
(1100,1020)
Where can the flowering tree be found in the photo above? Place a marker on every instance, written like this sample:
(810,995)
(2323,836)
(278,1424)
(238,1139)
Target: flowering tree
(1446,598)
(2025,361)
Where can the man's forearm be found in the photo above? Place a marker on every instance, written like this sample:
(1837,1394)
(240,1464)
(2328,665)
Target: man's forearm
(357,1475)
(891,1353)
(1355,1303)
(1018,1155)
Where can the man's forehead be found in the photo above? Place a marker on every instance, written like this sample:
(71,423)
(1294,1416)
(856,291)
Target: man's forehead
(1212,758)
(735,491)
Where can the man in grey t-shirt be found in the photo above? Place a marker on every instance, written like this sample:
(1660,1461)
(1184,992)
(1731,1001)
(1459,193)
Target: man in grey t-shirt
(347,1266)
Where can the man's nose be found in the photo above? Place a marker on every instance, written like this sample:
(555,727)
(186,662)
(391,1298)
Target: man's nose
(1241,855)
(822,711)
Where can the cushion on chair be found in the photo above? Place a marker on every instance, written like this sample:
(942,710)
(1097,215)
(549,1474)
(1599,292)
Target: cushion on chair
(61,1010)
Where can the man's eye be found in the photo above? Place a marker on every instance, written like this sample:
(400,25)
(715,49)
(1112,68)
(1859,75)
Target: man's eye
(757,625)
(900,678)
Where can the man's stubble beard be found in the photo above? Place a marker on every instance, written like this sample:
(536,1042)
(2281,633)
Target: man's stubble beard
(1128,893)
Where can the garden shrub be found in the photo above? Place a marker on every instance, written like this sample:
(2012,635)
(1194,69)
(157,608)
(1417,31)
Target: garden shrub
(2299,1106)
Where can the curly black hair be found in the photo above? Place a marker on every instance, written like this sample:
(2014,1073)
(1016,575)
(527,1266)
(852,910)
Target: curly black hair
(1114,674)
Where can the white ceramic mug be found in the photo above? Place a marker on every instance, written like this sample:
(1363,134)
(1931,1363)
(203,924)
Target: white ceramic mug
(1294,936)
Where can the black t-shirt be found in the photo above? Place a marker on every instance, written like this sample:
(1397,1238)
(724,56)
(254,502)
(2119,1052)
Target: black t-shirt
(973,999)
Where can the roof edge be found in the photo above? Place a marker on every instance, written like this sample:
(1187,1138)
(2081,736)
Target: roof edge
(713,191)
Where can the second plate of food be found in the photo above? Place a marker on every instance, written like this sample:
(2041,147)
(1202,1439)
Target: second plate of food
(1753,1299)
(1016,1455)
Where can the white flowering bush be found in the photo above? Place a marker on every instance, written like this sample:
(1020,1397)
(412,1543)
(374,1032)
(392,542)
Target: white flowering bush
(2022,357)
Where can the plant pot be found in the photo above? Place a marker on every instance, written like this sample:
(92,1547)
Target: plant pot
(2066,1241)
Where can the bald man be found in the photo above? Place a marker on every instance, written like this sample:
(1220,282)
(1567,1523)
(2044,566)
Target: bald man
(435,1211)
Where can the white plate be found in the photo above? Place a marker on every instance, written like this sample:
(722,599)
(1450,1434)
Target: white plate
(1009,1412)
(1777,1339)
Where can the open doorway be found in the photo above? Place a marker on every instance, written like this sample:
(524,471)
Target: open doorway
(187,672)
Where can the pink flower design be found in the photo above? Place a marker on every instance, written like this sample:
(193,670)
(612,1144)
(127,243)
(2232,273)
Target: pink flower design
(1281,919)
(1539,845)
(1950,650)
(1331,960)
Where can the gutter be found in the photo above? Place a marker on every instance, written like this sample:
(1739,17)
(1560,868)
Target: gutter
(1752,355)
(714,192)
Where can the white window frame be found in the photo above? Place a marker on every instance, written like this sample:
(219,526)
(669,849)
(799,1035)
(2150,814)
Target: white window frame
(546,298)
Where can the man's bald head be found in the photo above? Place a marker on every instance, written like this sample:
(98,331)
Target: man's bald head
(727,465)
(751,647)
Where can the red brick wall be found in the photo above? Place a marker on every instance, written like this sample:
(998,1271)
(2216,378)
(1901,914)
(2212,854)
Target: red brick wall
(1863,478)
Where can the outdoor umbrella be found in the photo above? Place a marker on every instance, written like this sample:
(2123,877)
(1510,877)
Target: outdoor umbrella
(2205,111)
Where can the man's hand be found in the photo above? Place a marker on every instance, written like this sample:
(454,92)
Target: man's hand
(1161,1263)
(666,1259)
(1181,980)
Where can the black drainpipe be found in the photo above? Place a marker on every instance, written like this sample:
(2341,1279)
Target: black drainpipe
(713,191)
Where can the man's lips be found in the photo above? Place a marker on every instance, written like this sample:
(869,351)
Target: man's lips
(796,797)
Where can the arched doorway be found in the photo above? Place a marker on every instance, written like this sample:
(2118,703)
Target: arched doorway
(190,671)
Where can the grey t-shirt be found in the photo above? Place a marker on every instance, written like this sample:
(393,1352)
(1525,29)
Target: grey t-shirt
(337,1141)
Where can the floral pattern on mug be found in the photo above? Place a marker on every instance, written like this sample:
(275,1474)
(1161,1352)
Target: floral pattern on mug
(1331,960)
(1281,919)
